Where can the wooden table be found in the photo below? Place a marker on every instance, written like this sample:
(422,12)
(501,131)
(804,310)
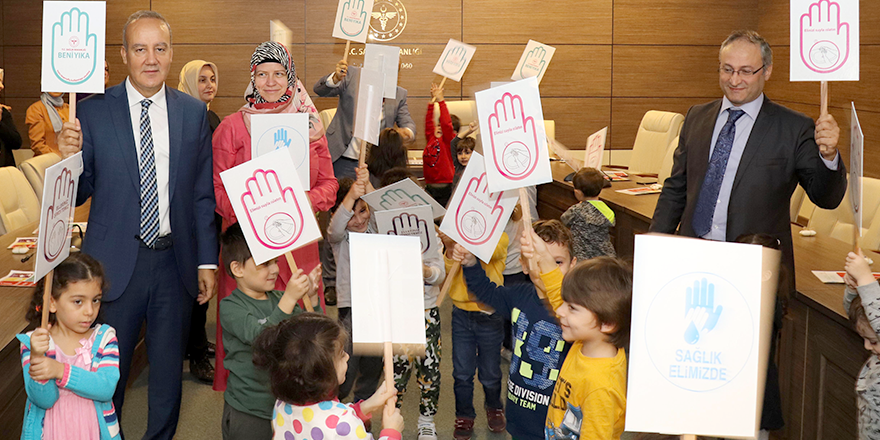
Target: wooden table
(819,354)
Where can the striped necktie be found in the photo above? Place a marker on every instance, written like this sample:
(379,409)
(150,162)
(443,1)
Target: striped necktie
(149,191)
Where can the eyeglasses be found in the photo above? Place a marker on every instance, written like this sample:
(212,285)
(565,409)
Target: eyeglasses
(745,72)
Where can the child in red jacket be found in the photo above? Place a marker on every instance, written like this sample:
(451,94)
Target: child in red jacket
(437,164)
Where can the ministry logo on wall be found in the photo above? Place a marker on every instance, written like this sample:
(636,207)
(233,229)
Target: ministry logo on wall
(388,20)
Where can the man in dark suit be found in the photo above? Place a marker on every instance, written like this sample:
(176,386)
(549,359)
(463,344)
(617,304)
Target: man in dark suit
(142,141)
(740,158)
(344,149)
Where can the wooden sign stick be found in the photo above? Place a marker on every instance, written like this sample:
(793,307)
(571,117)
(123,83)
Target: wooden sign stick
(823,109)
(527,223)
(347,49)
(47,293)
(362,156)
(72,99)
(447,283)
(688,437)
(442,83)
(305,299)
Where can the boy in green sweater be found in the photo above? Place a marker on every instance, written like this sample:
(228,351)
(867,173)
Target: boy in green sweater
(253,306)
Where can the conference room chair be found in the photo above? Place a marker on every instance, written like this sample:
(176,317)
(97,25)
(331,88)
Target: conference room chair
(656,132)
(838,223)
(22,154)
(666,166)
(326,116)
(794,206)
(18,203)
(34,171)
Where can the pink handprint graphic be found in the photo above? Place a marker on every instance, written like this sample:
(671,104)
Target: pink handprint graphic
(58,215)
(824,38)
(472,225)
(274,212)
(412,225)
(513,139)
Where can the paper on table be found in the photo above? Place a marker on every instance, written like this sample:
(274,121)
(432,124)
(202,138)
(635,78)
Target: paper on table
(402,194)
(478,215)
(271,206)
(835,277)
(384,59)
(73,46)
(18,278)
(288,131)
(29,242)
(649,189)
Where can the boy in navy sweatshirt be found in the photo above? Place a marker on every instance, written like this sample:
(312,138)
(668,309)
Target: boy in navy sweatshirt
(538,347)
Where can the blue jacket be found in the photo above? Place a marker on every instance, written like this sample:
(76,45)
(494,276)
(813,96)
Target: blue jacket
(98,384)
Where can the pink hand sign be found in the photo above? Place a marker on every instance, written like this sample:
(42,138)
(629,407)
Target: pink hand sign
(273,212)
(470,222)
(513,138)
(824,39)
(412,225)
(58,215)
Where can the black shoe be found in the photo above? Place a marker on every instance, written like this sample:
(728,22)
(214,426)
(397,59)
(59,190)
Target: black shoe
(212,349)
(202,370)
(330,296)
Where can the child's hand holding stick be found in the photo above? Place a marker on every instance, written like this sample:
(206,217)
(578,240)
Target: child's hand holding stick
(297,288)
(858,270)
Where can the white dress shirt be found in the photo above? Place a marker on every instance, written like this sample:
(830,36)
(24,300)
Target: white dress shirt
(161,144)
(744,127)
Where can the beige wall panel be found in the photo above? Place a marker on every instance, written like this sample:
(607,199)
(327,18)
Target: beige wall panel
(780,88)
(688,22)
(581,71)
(321,13)
(553,23)
(577,118)
(668,71)
(627,113)
(415,74)
(233,63)
(230,21)
(225,106)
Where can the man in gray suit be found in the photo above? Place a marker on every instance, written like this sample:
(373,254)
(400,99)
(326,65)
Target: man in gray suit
(344,148)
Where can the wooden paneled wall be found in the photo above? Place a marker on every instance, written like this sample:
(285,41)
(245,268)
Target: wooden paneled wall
(615,59)
(804,96)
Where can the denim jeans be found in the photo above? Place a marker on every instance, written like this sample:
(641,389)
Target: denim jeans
(476,343)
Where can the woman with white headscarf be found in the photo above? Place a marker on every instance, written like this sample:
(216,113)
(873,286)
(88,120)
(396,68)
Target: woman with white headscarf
(44,119)
(199,79)
(274,89)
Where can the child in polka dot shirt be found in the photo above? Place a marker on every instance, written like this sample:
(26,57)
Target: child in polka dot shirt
(306,361)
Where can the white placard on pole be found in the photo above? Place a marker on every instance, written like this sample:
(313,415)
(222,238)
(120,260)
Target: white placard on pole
(368,115)
(595,148)
(289,131)
(387,293)
(534,61)
(384,59)
(73,46)
(415,221)
(353,20)
(824,40)
(271,206)
(56,214)
(702,317)
(454,60)
(514,142)
(476,216)
(402,194)
(856,167)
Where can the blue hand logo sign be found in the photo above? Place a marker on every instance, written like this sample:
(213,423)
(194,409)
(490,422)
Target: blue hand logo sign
(281,140)
(712,344)
(74,49)
(354,19)
(534,63)
(455,60)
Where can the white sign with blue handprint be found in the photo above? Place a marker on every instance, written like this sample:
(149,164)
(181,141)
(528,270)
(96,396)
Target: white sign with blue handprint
(533,61)
(353,20)
(288,131)
(73,46)
(454,60)
(702,315)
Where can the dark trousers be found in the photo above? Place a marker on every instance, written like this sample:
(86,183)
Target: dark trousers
(156,295)
(345,167)
(236,425)
(364,372)
(476,346)
(197,347)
